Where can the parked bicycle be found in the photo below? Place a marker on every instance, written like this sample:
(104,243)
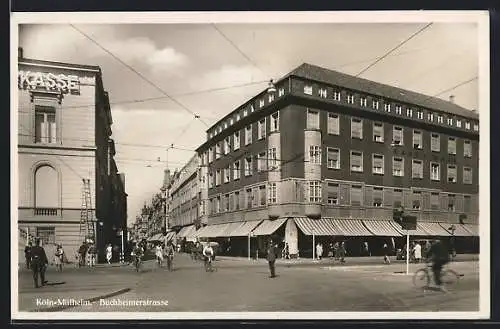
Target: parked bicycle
(422,277)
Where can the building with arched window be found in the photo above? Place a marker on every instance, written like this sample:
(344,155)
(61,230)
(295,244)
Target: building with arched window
(64,136)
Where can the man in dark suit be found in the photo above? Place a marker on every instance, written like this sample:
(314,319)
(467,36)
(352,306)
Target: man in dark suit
(27,255)
(39,263)
(271,258)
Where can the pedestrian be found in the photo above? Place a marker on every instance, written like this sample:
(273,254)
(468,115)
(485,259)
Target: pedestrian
(417,252)
(159,254)
(109,253)
(271,258)
(82,252)
(336,249)
(27,254)
(319,251)
(58,257)
(92,254)
(169,254)
(39,263)
(330,250)
(342,252)
(287,251)
(386,254)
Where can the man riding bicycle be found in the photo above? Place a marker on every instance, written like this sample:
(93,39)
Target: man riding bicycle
(169,254)
(208,254)
(137,254)
(438,255)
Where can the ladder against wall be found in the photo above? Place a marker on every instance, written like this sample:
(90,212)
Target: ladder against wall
(87,229)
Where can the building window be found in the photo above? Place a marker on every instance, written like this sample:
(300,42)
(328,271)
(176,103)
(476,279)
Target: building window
(398,166)
(262,129)
(217,205)
(217,150)
(397,135)
(308,90)
(46,234)
(245,112)
(451,202)
(332,194)
(356,195)
(467,125)
(397,197)
(248,166)
(356,161)
(333,124)
(45,124)
(227,145)
(449,121)
(218,177)
(249,197)
(467,175)
(236,141)
(467,149)
(225,125)
(281,92)
(417,200)
(237,200)
(46,190)
(226,202)
(272,159)
(409,113)
(435,171)
(315,191)
(227,175)
(375,104)
(417,169)
(378,196)
(314,154)
(248,135)
(272,193)
(435,143)
(362,101)
(356,128)
(238,117)
(378,132)
(220,129)
(387,107)
(252,109)
(270,98)
(262,162)
(350,99)
(467,204)
(434,201)
(452,174)
(378,164)
(420,115)
(231,121)
(333,158)
(417,139)
(262,195)
(236,170)
(322,93)
(398,109)
(459,124)
(336,95)
(440,119)
(312,119)
(452,145)
(275,121)
(261,103)
(476,127)
(211,180)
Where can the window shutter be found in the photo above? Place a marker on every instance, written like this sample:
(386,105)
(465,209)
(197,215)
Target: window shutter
(378,195)
(356,159)
(378,161)
(388,198)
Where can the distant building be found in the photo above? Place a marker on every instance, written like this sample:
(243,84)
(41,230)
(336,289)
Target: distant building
(331,155)
(64,136)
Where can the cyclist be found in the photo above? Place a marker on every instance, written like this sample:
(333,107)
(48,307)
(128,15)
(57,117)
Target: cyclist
(169,254)
(438,255)
(208,253)
(137,253)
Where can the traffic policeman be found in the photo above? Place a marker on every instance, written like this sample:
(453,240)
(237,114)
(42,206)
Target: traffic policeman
(39,263)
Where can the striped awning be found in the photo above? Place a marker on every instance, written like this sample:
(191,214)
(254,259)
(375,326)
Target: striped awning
(169,236)
(229,229)
(460,230)
(433,229)
(268,227)
(418,232)
(245,228)
(472,228)
(186,231)
(212,231)
(381,227)
(322,226)
(352,227)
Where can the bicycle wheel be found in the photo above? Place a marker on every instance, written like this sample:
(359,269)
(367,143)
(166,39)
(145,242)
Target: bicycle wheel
(421,278)
(449,278)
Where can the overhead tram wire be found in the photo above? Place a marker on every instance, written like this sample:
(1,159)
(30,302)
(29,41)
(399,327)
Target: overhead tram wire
(394,49)
(140,75)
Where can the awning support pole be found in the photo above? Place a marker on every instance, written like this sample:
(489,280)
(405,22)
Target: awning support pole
(407,252)
(249,256)
(314,253)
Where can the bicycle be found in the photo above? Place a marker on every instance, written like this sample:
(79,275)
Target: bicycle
(422,277)
(209,266)
(137,263)
(170,262)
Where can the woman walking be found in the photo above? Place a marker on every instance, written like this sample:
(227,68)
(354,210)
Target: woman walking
(109,253)
(59,257)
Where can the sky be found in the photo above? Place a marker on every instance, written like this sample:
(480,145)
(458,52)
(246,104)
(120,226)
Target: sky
(211,69)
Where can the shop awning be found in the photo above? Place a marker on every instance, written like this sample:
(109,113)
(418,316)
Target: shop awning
(212,231)
(460,230)
(381,227)
(268,227)
(186,231)
(433,229)
(245,228)
(418,232)
(472,228)
(352,227)
(322,226)
(230,227)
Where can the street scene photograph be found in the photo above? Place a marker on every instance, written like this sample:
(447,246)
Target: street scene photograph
(257,164)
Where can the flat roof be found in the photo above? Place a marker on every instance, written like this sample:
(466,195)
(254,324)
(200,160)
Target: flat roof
(69,66)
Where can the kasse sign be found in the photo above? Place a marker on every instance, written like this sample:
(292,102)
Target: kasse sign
(49,81)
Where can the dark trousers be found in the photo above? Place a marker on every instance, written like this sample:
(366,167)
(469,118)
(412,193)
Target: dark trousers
(38,270)
(169,262)
(272,268)
(28,262)
(436,269)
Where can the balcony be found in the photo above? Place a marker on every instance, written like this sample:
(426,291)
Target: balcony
(45,211)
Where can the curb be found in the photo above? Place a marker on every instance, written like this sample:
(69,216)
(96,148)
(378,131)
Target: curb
(90,300)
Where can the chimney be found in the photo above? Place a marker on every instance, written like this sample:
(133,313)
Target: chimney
(452,98)
(19,52)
